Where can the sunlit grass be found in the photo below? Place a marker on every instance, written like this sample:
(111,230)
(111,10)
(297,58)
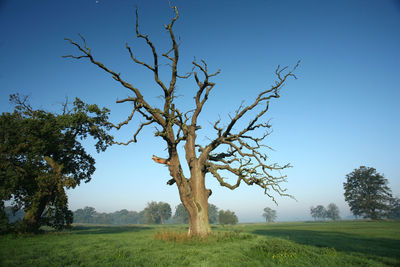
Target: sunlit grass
(280,244)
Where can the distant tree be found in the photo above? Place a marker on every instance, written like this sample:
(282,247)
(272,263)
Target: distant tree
(313,213)
(157,213)
(122,217)
(319,212)
(182,216)
(367,193)
(42,156)
(332,212)
(134,217)
(227,217)
(269,214)
(165,212)
(237,147)
(103,218)
(394,212)
(14,215)
(212,213)
(85,215)
(141,218)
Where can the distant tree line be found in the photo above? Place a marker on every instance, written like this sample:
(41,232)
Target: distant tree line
(153,213)
(322,213)
(91,216)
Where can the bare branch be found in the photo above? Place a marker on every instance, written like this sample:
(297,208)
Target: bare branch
(155,55)
(204,86)
(155,113)
(134,139)
(136,60)
(124,122)
(243,158)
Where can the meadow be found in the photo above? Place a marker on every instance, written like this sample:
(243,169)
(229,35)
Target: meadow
(345,243)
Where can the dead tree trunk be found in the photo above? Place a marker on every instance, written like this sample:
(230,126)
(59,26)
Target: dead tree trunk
(241,158)
(194,197)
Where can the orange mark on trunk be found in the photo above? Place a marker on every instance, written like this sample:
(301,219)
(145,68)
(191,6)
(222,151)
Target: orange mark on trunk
(160,160)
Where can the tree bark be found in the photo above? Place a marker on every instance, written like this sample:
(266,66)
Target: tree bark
(196,203)
(33,216)
(194,197)
(197,206)
(193,192)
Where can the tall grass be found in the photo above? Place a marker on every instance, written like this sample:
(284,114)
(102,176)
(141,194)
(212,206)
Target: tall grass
(183,237)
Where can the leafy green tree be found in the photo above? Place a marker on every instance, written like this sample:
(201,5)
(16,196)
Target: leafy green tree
(157,213)
(165,211)
(41,156)
(89,215)
(332,212)
(182,216)
(227,217)
(367,193)
(319,212)
(269,214)
(85,215)
(103,218)
(212,213)
(394,212)
(237,147)
(141,217)
(120,217)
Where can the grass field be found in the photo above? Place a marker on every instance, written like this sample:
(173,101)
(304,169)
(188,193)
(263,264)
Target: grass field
(359,243)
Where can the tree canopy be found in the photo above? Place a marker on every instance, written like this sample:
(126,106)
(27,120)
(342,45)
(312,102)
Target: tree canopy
(394,212)
(269,214)
(367,193)
(332,212)
(41,155)
(157,212)
(227,217)
(319,212)
(121,217)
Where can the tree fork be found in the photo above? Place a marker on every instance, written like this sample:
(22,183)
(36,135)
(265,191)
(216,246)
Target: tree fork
(241,156)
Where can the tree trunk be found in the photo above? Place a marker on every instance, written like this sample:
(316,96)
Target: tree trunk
(196,203)
(192,192)
(194,197)
(33,216)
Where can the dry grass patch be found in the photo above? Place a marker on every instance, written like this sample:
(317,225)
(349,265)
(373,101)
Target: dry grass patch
(183,237)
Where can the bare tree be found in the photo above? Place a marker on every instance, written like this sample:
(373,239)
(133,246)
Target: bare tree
(238,152)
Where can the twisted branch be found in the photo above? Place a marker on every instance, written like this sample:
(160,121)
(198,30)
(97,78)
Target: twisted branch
(242,157)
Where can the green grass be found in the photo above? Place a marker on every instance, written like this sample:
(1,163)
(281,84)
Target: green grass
(336,244)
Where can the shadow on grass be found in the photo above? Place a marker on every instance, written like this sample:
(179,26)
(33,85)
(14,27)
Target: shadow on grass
(107,229)
(382,247)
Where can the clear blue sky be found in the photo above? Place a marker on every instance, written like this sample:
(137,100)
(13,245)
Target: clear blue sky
(341,113)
